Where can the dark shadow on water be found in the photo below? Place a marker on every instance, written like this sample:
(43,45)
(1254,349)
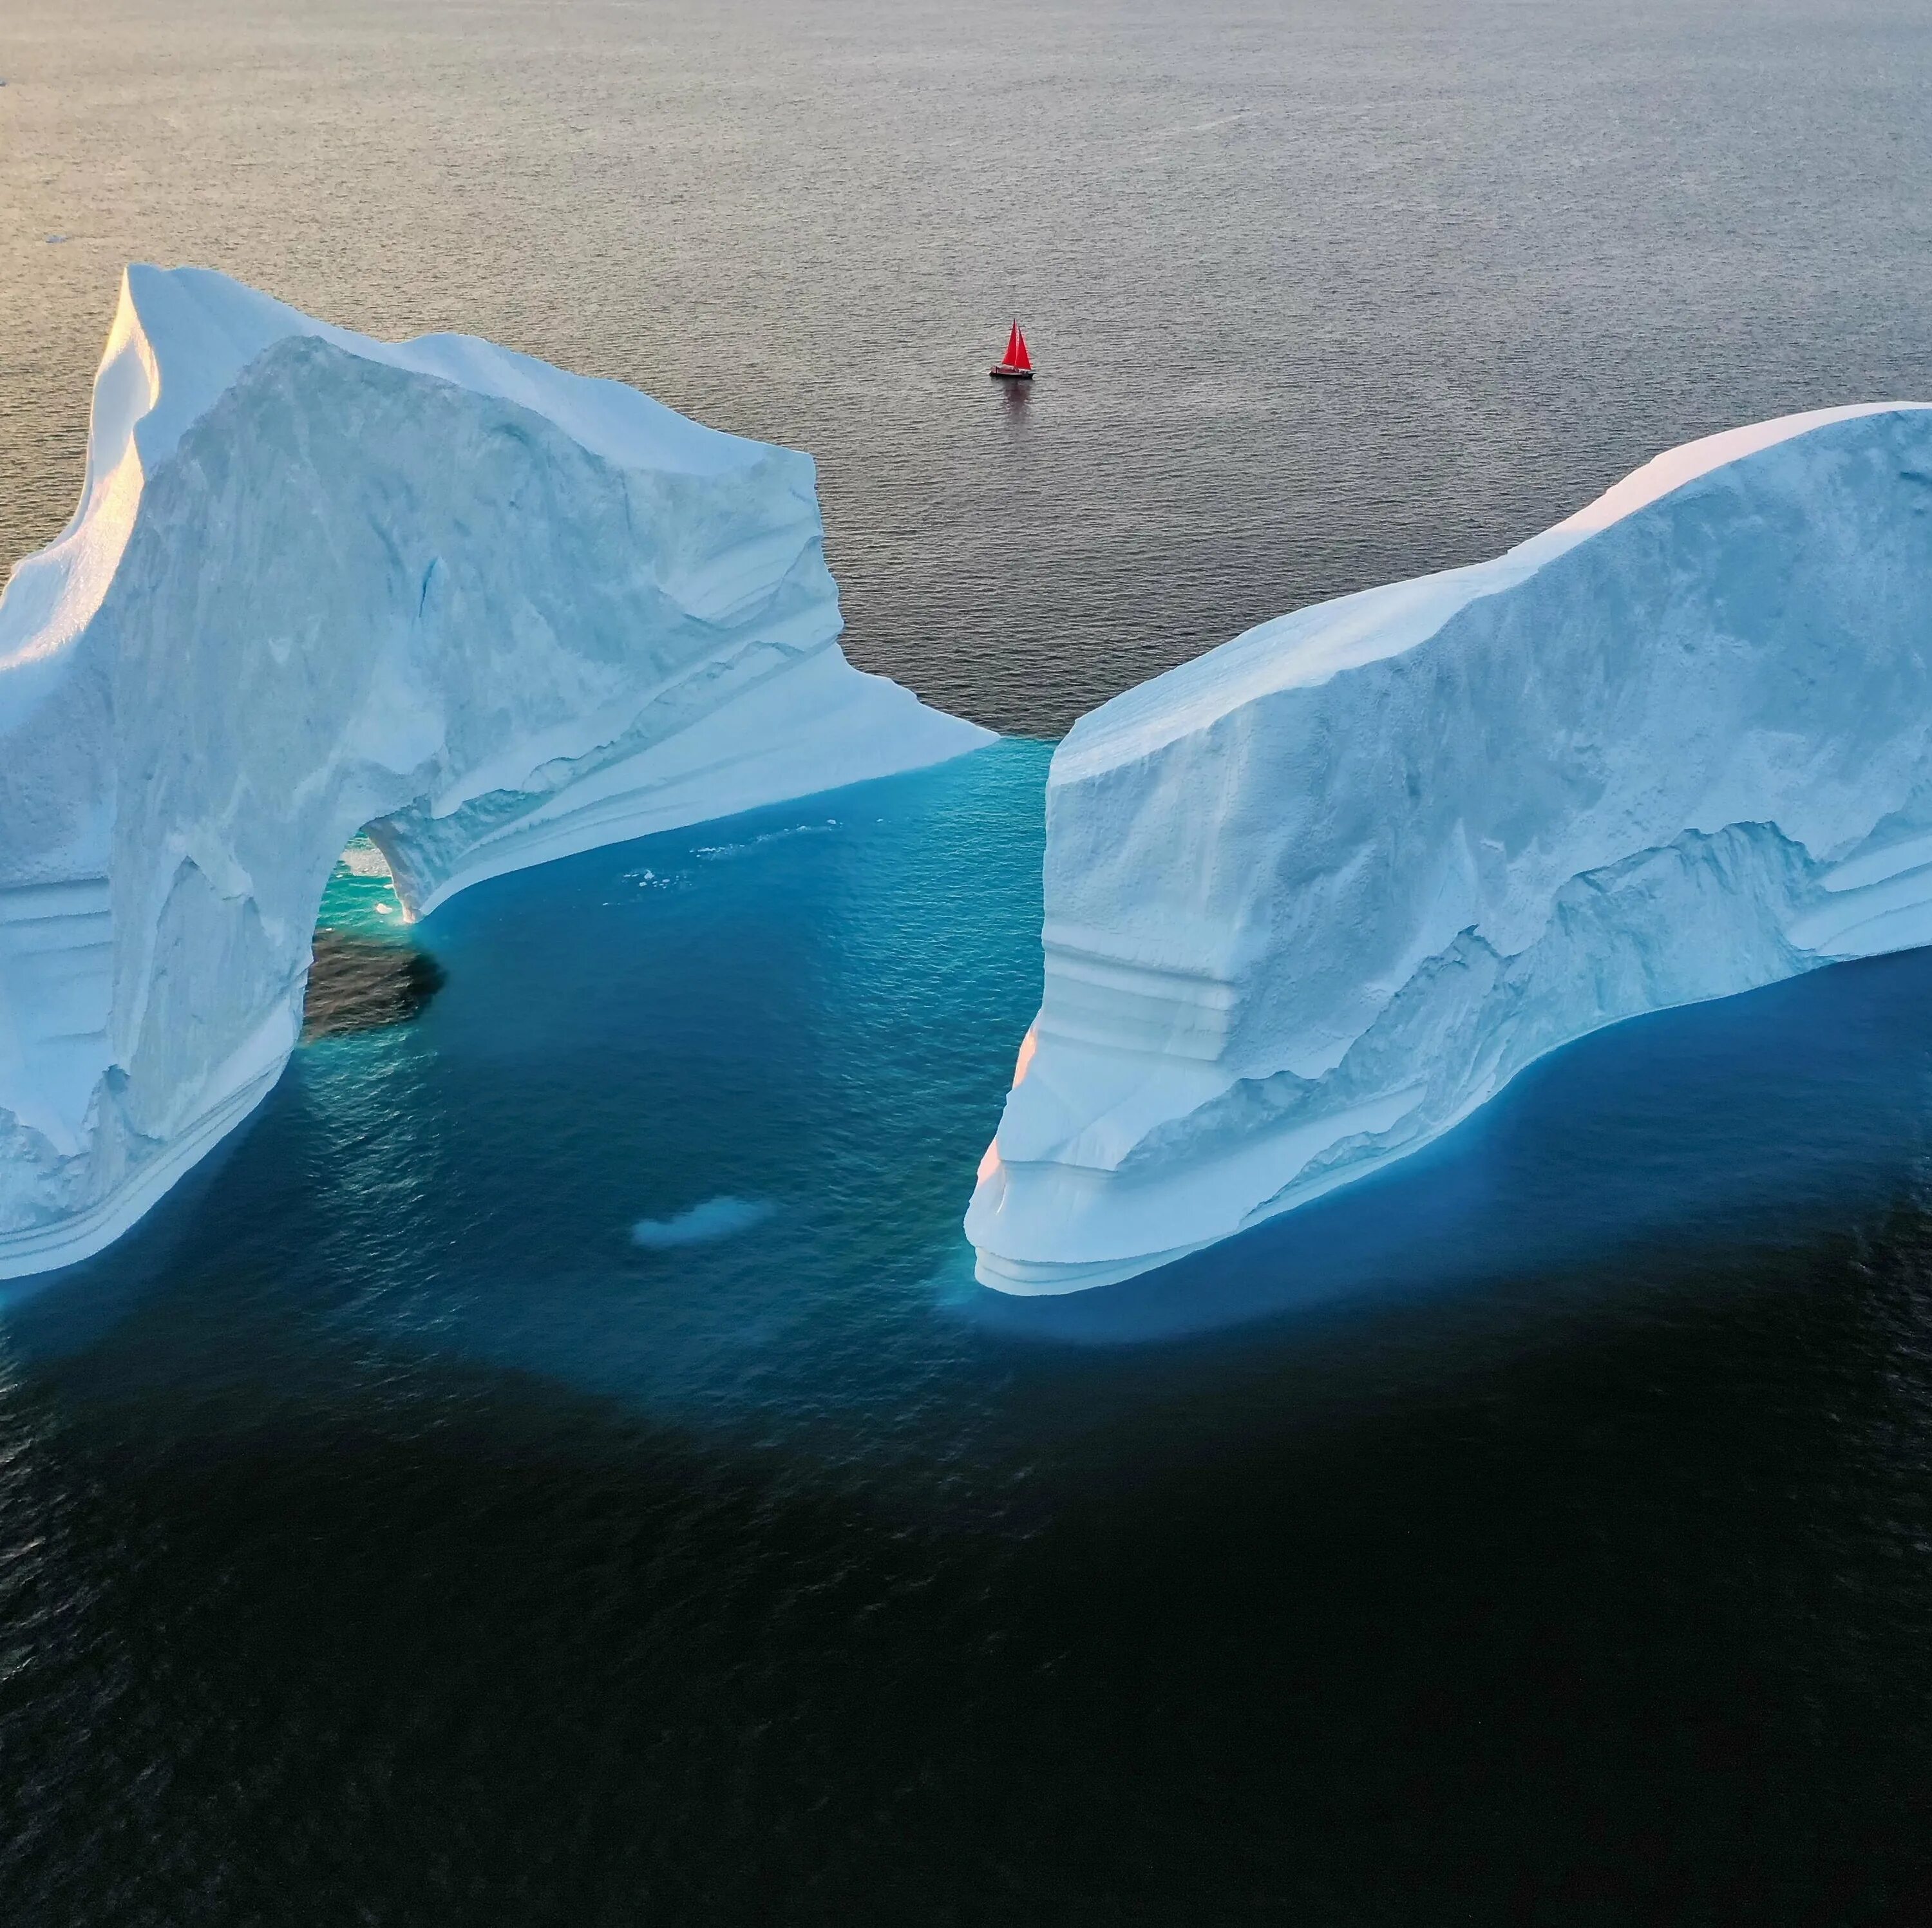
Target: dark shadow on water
(1755,1121)
(362,984)
(52,1314)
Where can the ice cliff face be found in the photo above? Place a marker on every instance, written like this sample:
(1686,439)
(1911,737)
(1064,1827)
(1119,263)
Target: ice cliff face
(493,611)
(1313,898)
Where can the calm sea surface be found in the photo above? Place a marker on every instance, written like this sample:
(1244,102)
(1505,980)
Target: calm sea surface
(423,1520)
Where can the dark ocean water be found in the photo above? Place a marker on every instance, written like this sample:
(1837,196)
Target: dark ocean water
(1541,1533)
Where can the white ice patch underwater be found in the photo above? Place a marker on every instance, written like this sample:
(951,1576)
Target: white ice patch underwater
(494,613)
(1314,897)
(715,1219)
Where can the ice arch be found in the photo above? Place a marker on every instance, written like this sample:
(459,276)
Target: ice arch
(1313,898)
(495,613)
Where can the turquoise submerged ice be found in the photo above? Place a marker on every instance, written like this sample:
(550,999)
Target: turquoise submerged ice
(1316,896)
(494,613)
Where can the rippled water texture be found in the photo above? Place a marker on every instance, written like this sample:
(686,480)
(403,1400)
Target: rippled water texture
(1321,293)
(554,1467)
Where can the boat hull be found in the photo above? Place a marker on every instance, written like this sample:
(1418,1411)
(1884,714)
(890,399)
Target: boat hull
(1000,372)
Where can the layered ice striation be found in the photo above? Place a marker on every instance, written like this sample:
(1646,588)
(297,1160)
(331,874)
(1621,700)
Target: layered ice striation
(494,613)
(1314,897)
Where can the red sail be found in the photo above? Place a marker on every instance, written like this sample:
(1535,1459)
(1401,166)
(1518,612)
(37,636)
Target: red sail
(1017,356)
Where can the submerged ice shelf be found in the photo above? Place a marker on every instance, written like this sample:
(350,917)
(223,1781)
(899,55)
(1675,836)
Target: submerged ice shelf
(494,613)
(1313,898)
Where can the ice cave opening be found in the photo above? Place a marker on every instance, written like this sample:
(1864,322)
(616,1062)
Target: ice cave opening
(370,967)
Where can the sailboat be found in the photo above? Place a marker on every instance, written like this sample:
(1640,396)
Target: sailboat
(1017,365)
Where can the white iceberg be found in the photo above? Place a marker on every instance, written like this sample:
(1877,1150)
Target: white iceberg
(494,613)
(1313,898)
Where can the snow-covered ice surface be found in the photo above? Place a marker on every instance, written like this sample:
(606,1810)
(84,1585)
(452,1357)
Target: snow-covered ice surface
(495,613)
(1316,896)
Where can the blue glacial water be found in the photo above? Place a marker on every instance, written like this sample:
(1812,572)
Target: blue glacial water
(394,1533)
(690,1122)
(686,1124)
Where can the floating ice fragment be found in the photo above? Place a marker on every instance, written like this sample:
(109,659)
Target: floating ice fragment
(714,853)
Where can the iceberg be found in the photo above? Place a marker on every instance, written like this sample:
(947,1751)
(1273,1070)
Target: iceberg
(1313,898)
(491,612)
